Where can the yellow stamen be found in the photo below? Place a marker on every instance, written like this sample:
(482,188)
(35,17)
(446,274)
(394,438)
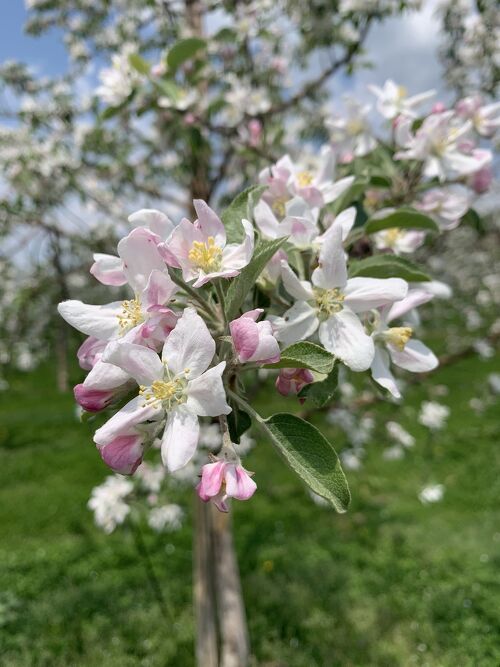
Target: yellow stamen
(329,301)
(279,206)
(206,256)
(168,392)
(391,236)
(131,315)
(402,92)
(304,178)
(354,127)
(398,336)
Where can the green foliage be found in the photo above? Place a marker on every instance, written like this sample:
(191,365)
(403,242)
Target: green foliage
(239,422)
(139,64)
(311,456)
(321,393)
(305,355)
(387,266)
(183,51)
(402,218)
(244,282)
(240,208)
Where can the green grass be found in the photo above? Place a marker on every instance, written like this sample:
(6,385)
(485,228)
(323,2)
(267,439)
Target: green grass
(392,582)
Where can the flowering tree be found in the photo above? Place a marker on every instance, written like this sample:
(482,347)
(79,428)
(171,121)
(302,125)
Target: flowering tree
(303,274)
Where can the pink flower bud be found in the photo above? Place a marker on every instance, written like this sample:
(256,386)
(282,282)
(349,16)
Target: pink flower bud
(481,180)
(123,454)
(254,341)
(222,480)
(93,400)
(291,380)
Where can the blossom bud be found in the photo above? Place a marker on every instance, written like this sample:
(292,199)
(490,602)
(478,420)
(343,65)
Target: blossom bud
(291,380)
(93,400)
(222,480)
(254,341)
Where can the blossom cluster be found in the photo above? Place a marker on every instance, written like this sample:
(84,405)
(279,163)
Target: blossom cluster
(209,302)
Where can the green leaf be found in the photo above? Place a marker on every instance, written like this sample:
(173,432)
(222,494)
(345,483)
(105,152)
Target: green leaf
(473,219)
(241,207)
(139,64)
(321,393)
(403,218)
(184,50)
(311,456)
(245,281)
(169,89)
(238,421)
(305,355)
(388,266)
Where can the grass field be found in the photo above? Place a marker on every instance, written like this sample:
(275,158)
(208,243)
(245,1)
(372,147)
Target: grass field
(393,582)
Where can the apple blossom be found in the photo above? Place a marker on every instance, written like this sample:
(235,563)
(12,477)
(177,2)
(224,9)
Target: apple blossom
(291,380)
(201,251)
(351,135)
(397,344)
(298,222)
(331,303)
(400,241)
(447,206)
(485,117)
(393,100)
(180,387)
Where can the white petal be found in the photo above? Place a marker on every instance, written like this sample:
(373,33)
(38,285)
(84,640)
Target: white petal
(381,372)
(157,221)
(266,220)
(189,345)
(123,422)
(98,321)
(298,323)
(346,221)
(332,269)
(159,290)
(333,191)
(414,298)
(180,438)
(362,294)
(140,255)
(138,361)
(238,255)
(105,376)
(206,394)
(299,289)
(416,357)
(344,336)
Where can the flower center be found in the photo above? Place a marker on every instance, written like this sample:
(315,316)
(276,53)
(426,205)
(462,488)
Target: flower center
(392,235)
(130,316)
(279,207)
(328,301)
(304,178)
(167,393)
(402,92)
(206,256)
(398,336)
(354,127)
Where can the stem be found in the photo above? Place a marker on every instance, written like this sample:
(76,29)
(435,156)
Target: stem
(248,408)
(222,300)
(195,295)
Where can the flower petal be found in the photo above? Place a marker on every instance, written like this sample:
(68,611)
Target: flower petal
(108,269)
(124,421)
(344,336)
(416,357)
(266,221)
(123,454)
(206,394)
(190,345)
(332,269)
(239,484)
(299,289)
(235,256)
(212,475)
(157,221)
(363,294)
(414,298)
(140,255)
(105,376)
(298,323)
(180,438)
(209,223)
(159,290)
(98,321)
(381,372)
(140,362)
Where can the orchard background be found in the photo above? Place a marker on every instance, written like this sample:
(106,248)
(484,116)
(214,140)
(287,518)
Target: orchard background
(107,108)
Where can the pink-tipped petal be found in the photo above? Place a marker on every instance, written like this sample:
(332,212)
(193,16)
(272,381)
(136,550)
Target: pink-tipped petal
(123,454)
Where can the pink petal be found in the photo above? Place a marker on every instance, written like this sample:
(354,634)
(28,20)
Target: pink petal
(211,480)
(92,400)
(239,484)
(245,337)
(123,454)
